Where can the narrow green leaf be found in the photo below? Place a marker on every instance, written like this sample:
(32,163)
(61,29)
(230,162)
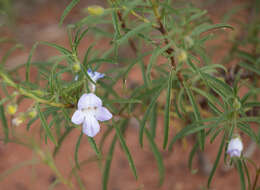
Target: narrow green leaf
(247,174)
(157,52)
(86,56)
(212,99)
(95,148)
(145,117)
(213,67)
(193,102)
(192,154)
(142,65)
(77,150)
(216,161)
(124,101)
(219,86)
(127,152)
(3,100)
(197,15)
(245,127)
(180,101)
(215,134)
(102,60)
(157,156)
(153,120)
(28,63)
(133,32)
(45,125)
(251,104)
(250,119)
(4,123)
(61,139)
(206,27)
(115,24)
(78,39)
(100,32)
(72,4)
(201,134)
(250,67)
(105,175)
(241,174)
(59,48)
(66,114)
(176,109)
(245,55)
(167,111)
(193,128)
(31,122)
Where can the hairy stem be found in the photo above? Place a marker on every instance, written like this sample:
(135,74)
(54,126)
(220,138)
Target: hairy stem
(30,93)
(164,32)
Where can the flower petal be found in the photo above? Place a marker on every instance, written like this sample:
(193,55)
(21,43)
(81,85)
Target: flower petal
(90,126)
(103,114)
(98,76)
(234,152)
(89,100)
(95,75)
(77,118)
(90,73)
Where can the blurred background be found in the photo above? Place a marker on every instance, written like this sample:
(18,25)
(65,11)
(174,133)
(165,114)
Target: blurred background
(28,21)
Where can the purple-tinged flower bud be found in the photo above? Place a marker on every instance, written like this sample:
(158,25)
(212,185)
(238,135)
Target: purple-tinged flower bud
(95,76)
(235,147)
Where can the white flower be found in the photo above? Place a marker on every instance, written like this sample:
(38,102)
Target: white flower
(18,120)
(89,112)
(94,76)
(235,147)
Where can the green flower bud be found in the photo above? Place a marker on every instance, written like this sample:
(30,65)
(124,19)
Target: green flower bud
(32,113)
(188,42)
(95,10)
(76,67)
(237,104)
(181,55)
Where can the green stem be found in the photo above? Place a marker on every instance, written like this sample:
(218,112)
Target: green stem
(48,159)
(28,93)
(60,177)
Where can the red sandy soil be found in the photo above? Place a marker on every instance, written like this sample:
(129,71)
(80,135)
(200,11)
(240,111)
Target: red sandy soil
(39,22)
